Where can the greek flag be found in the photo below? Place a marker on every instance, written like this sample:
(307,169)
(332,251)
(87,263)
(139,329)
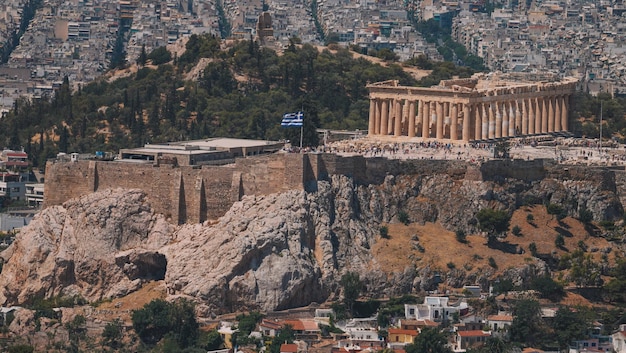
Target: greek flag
(292,120)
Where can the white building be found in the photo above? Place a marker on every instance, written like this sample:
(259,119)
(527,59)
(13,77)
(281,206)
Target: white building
(435,309)
(619,339)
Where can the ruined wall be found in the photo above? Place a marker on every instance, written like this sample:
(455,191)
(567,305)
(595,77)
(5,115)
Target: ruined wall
(188,194)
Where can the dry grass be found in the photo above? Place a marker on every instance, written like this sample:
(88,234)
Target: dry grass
(122,307)
(442,248)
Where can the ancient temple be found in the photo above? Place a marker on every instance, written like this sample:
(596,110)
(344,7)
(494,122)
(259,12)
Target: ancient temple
(485,106)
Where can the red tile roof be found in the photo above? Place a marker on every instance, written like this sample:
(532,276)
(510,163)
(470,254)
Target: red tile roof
(289,348)
(301,325)
(17,154)
(500,318)
(474,333)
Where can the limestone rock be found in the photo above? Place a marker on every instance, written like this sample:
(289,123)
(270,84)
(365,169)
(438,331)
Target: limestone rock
(73,249)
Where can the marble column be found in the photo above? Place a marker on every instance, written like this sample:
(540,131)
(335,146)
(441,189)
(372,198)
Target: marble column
(411,132)
(372,119)
(513,120)
(518,117)
(397,122)
(531,117)
(439,120)
(557,113)
(544,115)
(550,103)
(498,127)
(426,120)
(524,116)
(433,119)
(537,116)
(419,105)
(466,122)
(454,133)
(392,113)
(384,123)
(476,111)
(504,112)
(487,118)
(377,118)
(564,112)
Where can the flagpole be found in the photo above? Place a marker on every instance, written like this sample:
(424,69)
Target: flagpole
(301,128)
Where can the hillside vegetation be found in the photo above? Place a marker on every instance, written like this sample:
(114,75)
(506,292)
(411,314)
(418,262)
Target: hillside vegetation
(242,90)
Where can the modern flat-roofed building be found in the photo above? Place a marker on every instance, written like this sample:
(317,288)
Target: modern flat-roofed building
(211,151)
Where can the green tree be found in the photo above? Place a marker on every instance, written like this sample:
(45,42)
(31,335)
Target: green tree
(143,56)
(460,235)
(570,325)
(182,322)
(559,241)
(403,217)
(160,56)
(352,286)
(527,324)
(493,222)
(548,288)
(151,323)
(384,232)
(557,210)
(584,271)
(585,216)
(112,334)
(77,331)
(285,335)
(430,340)
(210,341)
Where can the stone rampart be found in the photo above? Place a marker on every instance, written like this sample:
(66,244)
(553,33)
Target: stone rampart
(188,194)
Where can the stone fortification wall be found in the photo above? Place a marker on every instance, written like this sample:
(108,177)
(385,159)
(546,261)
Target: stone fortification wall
(188,194)
(497,170)
(183,193)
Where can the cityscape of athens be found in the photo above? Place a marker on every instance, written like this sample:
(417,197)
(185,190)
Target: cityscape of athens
(313,176)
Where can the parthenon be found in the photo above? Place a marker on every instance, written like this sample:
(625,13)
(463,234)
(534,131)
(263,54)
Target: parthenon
(485,106)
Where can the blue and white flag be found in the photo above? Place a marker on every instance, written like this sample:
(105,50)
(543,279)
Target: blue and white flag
(292,120)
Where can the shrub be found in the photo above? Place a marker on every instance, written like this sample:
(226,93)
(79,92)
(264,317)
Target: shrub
(451,265)
(160,56)
(517,231)
(557,210)
(532,247)
(159,318)
(559,242)
(492,262)
(585,216)
(460,236)
(530,218)
(384,232)
(607,225)
(548,288)
(403,217)
(493,221)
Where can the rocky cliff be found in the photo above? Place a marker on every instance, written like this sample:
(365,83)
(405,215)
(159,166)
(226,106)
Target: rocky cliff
(276,251)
